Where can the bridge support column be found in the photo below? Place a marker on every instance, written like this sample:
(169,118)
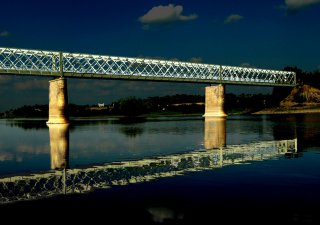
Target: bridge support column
(214,101)
(214,132)
(58,101)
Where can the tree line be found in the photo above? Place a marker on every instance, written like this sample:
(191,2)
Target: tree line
(173,104)
(133,106)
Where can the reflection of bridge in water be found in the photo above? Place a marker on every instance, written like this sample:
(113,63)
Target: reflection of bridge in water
(68,181)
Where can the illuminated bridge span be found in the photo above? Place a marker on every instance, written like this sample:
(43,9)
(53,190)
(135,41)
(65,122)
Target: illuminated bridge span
(37,186)
(49,63)
(73,65)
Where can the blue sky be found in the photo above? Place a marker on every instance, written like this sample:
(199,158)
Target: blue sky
(264,34)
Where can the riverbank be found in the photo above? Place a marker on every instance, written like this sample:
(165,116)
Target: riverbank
(290,110)
(302,99)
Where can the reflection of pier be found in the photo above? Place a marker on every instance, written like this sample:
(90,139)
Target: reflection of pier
(59,145)
(35,186)
(214,132)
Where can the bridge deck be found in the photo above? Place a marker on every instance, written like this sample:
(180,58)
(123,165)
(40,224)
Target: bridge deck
(75,65)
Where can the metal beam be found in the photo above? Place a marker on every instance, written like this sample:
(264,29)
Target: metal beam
(75,65)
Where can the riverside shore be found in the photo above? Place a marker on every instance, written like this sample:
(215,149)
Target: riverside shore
(291,110)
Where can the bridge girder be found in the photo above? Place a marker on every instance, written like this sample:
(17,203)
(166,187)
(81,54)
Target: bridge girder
(75,65)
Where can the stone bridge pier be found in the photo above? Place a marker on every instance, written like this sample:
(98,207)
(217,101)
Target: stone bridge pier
(58,101)
(215,117)
(214,101)
(58,123)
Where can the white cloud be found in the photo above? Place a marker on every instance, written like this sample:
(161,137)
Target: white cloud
(196,60)
(247,65)
(165,14)
(233,18)
(4,34)
(295,5)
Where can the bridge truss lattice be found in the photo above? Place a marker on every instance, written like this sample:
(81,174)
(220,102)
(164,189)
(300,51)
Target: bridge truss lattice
(50,63)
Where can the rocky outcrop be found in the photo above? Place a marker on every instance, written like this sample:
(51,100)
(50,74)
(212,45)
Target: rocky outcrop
(303,95)
(302,99)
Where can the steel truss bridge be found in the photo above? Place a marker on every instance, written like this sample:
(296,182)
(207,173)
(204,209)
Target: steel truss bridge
(68,181)
(74,65)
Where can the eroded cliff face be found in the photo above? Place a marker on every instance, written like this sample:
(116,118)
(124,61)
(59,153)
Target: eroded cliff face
(303,95)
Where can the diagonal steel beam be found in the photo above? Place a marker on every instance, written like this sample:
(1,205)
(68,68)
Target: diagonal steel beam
(76,65)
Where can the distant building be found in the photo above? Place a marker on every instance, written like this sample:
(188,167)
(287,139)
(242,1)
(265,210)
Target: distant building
(100,104)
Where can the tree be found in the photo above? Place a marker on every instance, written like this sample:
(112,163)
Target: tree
(131,106)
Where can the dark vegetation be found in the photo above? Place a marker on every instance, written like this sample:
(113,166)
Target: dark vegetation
(175,104)
(308,78)
(129,107)
(152,106)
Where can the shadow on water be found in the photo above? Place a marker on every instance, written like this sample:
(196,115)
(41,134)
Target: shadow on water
(37,124)
(131,131)
(40,123)
(27,124)
(130,120)
(303,126)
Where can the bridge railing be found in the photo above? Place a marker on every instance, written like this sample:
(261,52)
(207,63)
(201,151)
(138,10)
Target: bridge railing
(29,62)
(49,63)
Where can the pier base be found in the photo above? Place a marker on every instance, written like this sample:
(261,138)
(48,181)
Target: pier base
(58,101)
(214,101)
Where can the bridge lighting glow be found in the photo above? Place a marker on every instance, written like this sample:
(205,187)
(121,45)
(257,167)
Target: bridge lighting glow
(75,65)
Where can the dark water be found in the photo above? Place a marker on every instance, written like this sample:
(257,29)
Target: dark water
(252,169)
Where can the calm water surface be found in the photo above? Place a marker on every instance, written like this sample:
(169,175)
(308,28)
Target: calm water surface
(247,168)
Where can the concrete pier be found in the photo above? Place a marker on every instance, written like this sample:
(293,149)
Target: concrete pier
(214,132)
(214,101)
(58,101)
(59,145)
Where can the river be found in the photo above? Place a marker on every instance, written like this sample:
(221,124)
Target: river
(168,170)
